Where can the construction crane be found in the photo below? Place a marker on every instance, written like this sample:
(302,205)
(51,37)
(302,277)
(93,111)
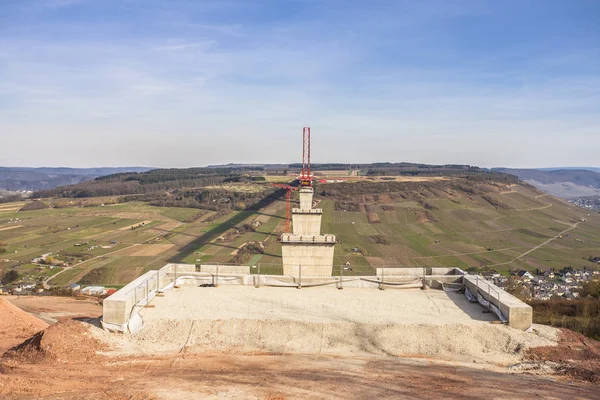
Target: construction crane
(305,178)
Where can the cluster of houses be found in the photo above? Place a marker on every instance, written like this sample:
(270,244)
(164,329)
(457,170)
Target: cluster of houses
(589,202)
(21,288)
(566,283)
(33,288)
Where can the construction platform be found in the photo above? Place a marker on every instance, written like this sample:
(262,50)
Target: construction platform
(123,310)
(317,304)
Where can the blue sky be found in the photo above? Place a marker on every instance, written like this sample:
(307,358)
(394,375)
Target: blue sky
(192,82)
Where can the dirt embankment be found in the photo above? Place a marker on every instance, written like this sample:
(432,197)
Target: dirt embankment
(16,325)
(576,356)
(62,363)
(66,341)
(65,361)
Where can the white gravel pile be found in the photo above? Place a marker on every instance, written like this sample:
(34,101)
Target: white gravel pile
(326,321)
(484,342)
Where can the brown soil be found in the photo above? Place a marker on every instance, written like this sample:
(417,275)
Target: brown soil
(16,325)
(578,356)
(168,226)
(423,217)
(52,308)
(62,363)
(373,218)
(66,341)
(226,376)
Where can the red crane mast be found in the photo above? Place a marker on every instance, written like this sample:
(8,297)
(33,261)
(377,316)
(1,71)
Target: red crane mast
(305,178)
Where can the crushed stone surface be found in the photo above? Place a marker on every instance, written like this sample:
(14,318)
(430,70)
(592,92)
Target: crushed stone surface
(325,321)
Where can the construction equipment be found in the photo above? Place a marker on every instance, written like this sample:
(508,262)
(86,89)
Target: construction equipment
(305,177)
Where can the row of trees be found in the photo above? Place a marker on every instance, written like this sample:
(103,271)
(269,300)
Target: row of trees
(210,199)
(150,182)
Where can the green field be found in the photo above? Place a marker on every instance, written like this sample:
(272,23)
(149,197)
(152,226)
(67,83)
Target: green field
(98,245)
(465,231)
(428,226)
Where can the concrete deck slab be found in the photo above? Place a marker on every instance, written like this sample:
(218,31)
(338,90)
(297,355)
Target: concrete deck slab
(321,305)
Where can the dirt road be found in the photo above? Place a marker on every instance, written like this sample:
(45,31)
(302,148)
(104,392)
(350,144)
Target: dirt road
(538,246)
(52,308)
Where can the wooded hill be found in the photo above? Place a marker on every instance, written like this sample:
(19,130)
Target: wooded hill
(161,180)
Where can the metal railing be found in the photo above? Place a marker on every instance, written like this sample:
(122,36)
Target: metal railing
(266,268)
(385,276)
(153,283)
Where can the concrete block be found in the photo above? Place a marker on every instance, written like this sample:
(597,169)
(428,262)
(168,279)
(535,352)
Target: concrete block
(179,268)
(304,239)
(225,269)
(519,314)
(117,307)
(316,259)
(306,198)
(306,223)
(397,271)
(441,271)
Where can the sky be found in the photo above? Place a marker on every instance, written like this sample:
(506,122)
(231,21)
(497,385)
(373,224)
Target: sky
(181,83)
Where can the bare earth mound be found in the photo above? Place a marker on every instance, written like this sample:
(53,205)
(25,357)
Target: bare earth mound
(66,341)
(16,325)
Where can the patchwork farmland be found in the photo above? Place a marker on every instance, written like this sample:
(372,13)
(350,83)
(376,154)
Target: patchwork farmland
(435,222)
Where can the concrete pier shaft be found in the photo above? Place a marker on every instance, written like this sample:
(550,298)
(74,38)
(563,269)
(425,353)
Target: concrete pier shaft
(314,254)
(306,198)
(306,222)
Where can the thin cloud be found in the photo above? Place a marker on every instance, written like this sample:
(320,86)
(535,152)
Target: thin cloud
(185,46)
(209,84)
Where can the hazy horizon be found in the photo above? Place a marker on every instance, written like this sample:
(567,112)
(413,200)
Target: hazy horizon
(235,163)
(187,83)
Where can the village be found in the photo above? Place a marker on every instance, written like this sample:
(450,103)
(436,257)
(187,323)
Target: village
(544,285)
(32,278)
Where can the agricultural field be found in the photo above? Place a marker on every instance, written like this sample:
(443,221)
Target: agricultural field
(112,243)
(508,226)
(438,222)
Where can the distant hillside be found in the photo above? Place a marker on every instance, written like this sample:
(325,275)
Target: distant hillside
(460,222)
(18,178)
(593,169)
(565,183)
(178,184)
